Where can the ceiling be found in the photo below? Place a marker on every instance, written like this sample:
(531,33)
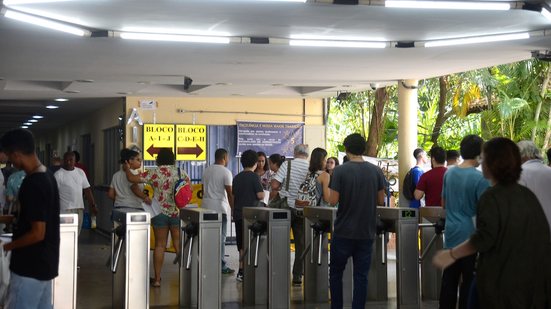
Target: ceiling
(38,65)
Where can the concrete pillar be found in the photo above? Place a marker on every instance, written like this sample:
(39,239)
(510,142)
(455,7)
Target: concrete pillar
(407,129)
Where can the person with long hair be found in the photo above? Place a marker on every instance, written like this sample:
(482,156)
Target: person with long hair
(511,236)
(332,162)
(317,170)
(120,190)
(263,170)
(162,179)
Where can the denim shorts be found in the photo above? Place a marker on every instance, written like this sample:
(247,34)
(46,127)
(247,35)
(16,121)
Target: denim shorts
(162,220)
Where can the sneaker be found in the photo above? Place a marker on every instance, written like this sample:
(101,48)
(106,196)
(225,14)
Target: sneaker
(227,271)
(297,281)
(239,276)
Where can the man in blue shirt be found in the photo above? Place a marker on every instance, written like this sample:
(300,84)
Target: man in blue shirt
(463,186)
(421,157)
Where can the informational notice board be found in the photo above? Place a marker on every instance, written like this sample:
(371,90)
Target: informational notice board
(269,137)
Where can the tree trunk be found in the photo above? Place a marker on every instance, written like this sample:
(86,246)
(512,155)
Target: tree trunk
(376,125)
(442,115)
(538,108)
(547,133)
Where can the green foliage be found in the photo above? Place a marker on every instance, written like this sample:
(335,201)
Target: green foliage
(495,101)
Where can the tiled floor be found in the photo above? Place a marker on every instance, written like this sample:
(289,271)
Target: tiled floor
(94,280)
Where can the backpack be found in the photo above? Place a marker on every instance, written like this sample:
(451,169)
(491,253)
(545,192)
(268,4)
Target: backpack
(182,191)
(308,190)
(408,187)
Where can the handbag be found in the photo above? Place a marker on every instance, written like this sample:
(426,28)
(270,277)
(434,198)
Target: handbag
(281,202)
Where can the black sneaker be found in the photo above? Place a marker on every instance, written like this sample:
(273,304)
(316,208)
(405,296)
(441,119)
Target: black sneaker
(297,282)
(239,276)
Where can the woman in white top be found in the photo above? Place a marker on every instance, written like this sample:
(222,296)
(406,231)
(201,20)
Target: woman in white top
(120,189)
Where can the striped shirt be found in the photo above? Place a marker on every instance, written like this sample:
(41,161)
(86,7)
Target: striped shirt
(299,169)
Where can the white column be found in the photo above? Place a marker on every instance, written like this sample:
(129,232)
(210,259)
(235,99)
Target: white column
(407,129)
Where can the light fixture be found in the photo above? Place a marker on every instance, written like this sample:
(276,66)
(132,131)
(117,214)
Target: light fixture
(546,13)
(449,5)
(52,106)
(38,117)
(61,100)
(20,2)
(174,37)
(478,39)
(24,127)
(346,44)
(42,22)
(33,120)
(27,123)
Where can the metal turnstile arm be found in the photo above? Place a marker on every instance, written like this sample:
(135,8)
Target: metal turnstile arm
(188,261)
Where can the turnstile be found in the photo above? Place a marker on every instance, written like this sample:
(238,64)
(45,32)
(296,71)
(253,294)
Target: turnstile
(318,224)
(64,286)
(266,278)
(432,225)
(403,222)
(200,267)
(130,258)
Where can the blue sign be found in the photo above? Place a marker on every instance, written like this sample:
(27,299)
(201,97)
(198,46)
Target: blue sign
(269,137)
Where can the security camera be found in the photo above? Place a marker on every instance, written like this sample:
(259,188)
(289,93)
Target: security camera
(373,86)
(187,83)
(542,55)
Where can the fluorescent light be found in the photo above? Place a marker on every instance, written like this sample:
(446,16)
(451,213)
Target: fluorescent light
(174,37)
(24,127)
(52,106)
(38,117)
(478,39)
(42,22)
(325,43)
(33,120)
(545,12)
(27,123)
(61,100)
(449,5)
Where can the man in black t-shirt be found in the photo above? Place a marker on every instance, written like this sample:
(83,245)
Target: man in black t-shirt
(247,192)
(358,187)
(35,245)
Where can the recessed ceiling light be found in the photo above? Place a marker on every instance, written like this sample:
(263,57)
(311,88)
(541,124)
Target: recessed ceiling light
(33,120)
(52,106)
(38,117)
(61,100)
(84,80)
(72,91)
(27,123)
(24,127)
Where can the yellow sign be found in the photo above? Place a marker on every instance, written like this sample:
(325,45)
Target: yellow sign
(155,137)
(191,142)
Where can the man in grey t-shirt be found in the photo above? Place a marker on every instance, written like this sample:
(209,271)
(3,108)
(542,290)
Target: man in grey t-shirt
(299,169)
(358,187)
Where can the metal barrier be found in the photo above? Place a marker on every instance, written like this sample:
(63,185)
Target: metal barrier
(64,286)
(200,259)
(266,278)
(432,225)
(318,223)
(403,222)
(130,258)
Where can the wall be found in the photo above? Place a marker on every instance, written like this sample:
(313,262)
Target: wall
(226,111)
(70,135)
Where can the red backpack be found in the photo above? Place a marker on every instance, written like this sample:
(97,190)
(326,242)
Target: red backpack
(182,191)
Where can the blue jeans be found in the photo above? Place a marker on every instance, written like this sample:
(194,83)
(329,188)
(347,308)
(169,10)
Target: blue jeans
(25,292)
(223,239)
(341,249)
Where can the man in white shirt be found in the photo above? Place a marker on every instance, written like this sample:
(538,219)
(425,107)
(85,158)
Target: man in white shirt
(217,195)
(71,182)
(299,169)
(535,175)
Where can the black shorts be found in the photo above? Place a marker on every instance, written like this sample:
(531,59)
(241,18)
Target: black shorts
(239,234)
